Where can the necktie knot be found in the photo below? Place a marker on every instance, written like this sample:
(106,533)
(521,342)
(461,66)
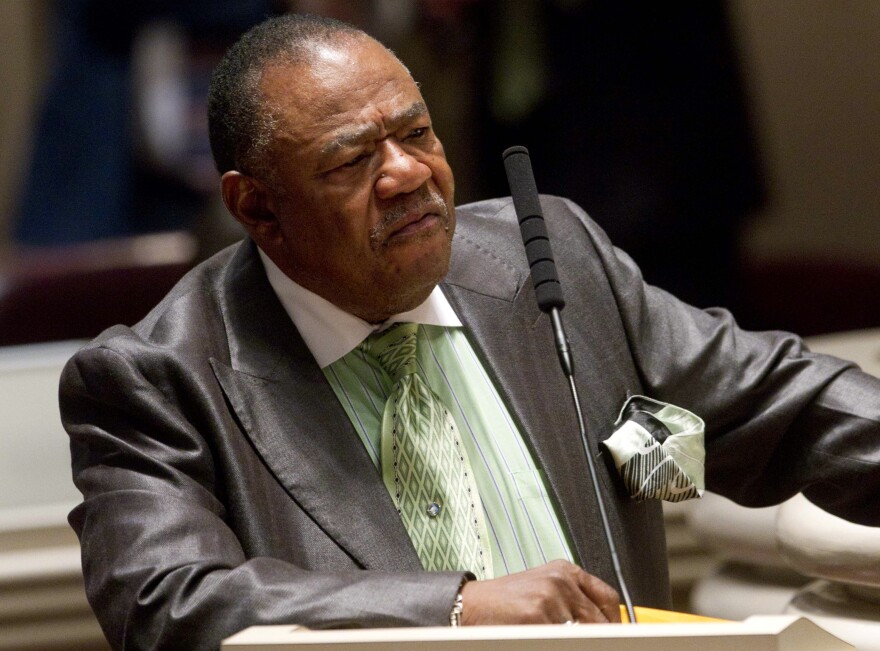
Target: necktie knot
(395,349)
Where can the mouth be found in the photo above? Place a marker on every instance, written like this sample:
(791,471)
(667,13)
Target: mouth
(403,223)
(413,224)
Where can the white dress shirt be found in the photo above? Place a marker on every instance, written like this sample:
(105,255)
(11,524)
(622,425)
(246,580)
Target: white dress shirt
(329,331)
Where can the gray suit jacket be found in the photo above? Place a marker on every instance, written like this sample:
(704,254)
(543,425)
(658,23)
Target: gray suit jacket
(224,485)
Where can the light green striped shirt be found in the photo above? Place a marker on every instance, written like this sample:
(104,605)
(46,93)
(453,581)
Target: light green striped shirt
(524,529)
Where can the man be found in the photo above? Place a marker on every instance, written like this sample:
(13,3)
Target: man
(227,478)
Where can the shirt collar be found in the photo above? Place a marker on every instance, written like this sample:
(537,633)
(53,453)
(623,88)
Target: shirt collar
(330,332)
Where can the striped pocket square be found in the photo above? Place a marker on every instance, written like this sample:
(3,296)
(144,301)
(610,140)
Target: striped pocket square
(658,450)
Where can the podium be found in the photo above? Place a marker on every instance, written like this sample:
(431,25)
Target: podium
(760,633)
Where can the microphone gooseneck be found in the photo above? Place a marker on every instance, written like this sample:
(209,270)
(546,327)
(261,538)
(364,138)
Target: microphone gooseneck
(548,292)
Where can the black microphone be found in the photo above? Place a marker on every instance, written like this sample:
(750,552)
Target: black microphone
(518,166)
(548,293)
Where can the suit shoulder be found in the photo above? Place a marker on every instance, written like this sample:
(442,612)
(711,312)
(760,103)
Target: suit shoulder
(185,322)
(498,208)
(496,218)
(487,208)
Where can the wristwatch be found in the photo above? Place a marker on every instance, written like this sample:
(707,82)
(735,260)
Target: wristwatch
(455,613)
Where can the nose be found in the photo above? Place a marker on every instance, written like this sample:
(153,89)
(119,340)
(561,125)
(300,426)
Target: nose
(400,173)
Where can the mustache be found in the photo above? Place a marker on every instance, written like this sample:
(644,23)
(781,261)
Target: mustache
(423,200)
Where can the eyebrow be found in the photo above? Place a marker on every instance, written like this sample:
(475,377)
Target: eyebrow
(356,135)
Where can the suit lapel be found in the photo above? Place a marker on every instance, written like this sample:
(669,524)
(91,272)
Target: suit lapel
(514,341)
(292,417)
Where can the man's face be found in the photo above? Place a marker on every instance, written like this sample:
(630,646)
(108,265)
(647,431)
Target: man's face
(360,188)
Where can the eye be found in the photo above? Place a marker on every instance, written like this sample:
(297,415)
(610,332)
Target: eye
(354,161)
(418,133)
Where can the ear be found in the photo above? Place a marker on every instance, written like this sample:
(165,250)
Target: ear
(247,199)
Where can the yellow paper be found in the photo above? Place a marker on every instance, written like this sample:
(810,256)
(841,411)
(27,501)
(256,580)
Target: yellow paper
(657,616)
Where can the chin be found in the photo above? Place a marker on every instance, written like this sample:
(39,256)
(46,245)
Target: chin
(431,269)
(410,290)
(412,276)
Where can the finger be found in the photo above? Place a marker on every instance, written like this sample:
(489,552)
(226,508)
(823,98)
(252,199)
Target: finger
(583,595)
(563,597)
(586,612)
(612,613)
(602,596)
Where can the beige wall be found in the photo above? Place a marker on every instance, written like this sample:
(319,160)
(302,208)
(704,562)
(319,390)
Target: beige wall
(813,67)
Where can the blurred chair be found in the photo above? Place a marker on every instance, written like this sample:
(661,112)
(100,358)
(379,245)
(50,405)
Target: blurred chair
(76,291)
(750,576)
(845,558)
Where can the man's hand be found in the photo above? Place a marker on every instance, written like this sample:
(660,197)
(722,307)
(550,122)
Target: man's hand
(550,594)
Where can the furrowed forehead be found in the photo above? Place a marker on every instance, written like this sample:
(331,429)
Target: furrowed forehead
(355,135)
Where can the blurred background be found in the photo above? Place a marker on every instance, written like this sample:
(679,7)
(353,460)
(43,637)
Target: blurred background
(733,148)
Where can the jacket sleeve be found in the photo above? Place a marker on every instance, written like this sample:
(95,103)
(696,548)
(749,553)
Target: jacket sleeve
(779,418)
(163,566)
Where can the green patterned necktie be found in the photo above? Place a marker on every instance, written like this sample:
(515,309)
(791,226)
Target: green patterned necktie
(424,464)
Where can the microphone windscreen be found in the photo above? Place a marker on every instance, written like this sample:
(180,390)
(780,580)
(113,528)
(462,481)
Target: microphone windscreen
(521,180)
(527,205)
